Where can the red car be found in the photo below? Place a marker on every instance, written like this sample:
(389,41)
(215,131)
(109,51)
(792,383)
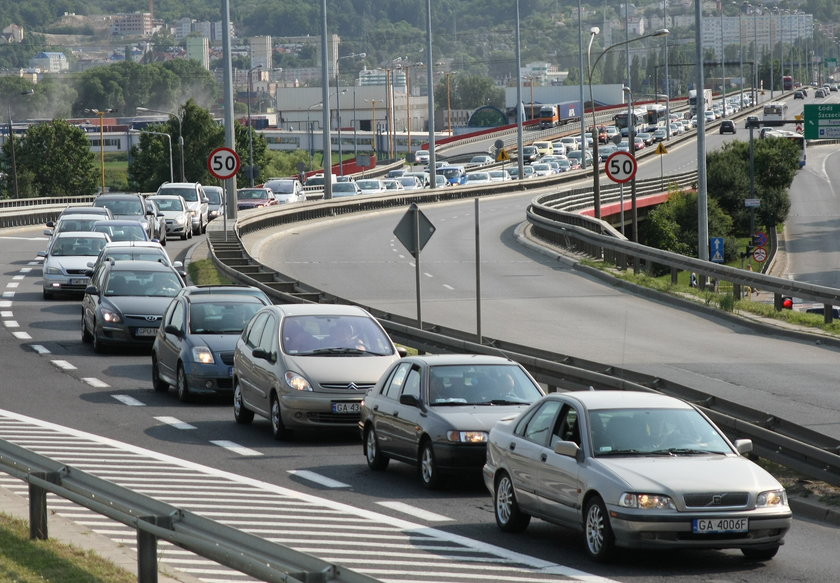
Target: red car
(251,198)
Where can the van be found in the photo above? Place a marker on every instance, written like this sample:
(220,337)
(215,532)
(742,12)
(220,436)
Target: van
(455,175)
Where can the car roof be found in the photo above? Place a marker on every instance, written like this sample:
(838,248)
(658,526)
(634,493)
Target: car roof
(179,184)
(623,399)
(87,209)
(318,310)
(223,289)
(117,195)
(135,265)
(461,359)
(144,244)
(117,222)
(221,297)
(95,234)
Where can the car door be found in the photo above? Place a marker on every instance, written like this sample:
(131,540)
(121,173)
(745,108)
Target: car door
(526,451)
(248,369)
(408,415)
(168,346)
(392,419)
(560,480)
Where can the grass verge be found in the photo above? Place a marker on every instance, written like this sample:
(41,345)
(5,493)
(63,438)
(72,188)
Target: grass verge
(45,561)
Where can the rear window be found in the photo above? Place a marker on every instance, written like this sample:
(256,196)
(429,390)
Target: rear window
(189,194)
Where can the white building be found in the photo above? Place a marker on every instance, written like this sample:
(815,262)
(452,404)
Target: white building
(50,62)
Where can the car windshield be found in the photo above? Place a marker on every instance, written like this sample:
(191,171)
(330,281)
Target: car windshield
(188,194)
(368,184)
(451,172)
(486,384)
(170,204)
(142,283)
(76,224)
(251,194)
(133,232)
(286,187)
(344,187)
(135,255)
(214,196)
(127,207)
(78,246)
(221,317)
(327,335)
(653,432)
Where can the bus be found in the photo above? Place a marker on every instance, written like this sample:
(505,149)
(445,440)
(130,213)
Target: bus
(621,120)
(787,83)
(656,115)
(775,111)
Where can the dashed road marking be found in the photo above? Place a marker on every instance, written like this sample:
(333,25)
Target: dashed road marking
(318,479)
(130,401)
(96,383)
(63,365)
(11,324)
(40,349)
(21,335)
(6,314)
(236,448)
(176,423)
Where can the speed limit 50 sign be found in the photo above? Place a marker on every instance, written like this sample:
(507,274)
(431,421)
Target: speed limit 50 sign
(223,163)
(621,166)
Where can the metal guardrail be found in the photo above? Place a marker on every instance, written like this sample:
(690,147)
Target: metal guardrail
(154,520)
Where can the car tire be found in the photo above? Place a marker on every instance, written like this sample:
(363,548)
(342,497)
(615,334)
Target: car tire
(98,346)
(87,337)
(429,473)
(47,295)
(278,429)
(181,385)
(509,517)
(598,534)
(185,235)
(241,413)
(204,226)
(760,554)
(163,240)
(376,460)
(158,384)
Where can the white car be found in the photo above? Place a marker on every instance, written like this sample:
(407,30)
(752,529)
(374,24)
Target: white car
(370,186)
(474,178)
(196,199)
(421,157)
(176,214)
(65,268)
(286,189)
(500,175)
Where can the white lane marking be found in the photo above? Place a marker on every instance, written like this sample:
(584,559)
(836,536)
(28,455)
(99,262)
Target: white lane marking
(95,382)
(235,447)
(25,269)
(414,511)
(63,365)
(11,324)
(21,335)
(6,314)
(449,287)
(318,479)
(40,349)
(428,274)
(12,284)
(18,277)
(36,262)
(5,303)
(176,423)
(8,294)
(130,401)
(10,238)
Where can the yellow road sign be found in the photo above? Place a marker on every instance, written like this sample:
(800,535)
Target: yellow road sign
(661,149)
(502,156)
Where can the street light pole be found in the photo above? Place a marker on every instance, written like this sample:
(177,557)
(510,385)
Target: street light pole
(373,103)
(101,114)
(251,127)
(338,107)
(596,178)
(722,66)
(12,138)
(180,134)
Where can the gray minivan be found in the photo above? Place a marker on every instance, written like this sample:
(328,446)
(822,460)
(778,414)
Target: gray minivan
(308,366)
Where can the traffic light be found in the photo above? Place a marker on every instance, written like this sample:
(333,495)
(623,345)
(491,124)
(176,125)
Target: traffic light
(787,303)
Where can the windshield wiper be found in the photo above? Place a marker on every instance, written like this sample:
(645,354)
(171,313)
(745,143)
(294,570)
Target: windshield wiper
(503,402)
(686,451)
(339,351)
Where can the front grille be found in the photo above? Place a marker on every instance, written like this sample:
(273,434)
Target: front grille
(77,272)
(716,500)
(226,358)
(152,319)
(335,418)
(348,386)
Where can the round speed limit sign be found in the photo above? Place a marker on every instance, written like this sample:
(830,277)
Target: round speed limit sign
(621,166)
(223,163)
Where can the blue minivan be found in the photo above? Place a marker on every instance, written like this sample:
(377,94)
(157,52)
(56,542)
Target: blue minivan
(455,175)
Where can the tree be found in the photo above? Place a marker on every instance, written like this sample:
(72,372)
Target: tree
(59,158)
(672,226)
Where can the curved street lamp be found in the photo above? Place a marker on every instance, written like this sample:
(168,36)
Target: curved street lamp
(180,133)
(101,113)
(596,178)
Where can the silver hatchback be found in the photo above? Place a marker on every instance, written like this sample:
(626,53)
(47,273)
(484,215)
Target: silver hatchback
(308,366)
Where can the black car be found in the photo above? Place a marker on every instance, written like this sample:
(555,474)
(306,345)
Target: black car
(798,95)
(727,126)
(436,411)
(125,301)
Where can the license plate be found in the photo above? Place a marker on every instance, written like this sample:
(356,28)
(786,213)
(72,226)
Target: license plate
(78,281)
(719,525)
(230,371)
(346,407)
(145,331)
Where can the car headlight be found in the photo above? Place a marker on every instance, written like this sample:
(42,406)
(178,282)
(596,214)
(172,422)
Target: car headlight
(467,436)
(646,501)
(193,213)
(297,382)
(771,498)
(202,355)
(52,270)
(111,316)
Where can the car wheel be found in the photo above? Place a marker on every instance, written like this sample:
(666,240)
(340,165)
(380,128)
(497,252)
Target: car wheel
(185,235)
(376,460)
(509,517)
(86,336)
(163,240)
(98,345)
(241,414)
(277,428)
(181,385)
(204,227)
(600,540)
(760,554)
(47,295)
(158,384)
(429,473)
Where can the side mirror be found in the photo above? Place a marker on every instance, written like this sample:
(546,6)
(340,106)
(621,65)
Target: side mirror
(174,330)
(409,400)
(744,446)
(92,290)
(41,254)
(263,354)
(48,232)
(567,448)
